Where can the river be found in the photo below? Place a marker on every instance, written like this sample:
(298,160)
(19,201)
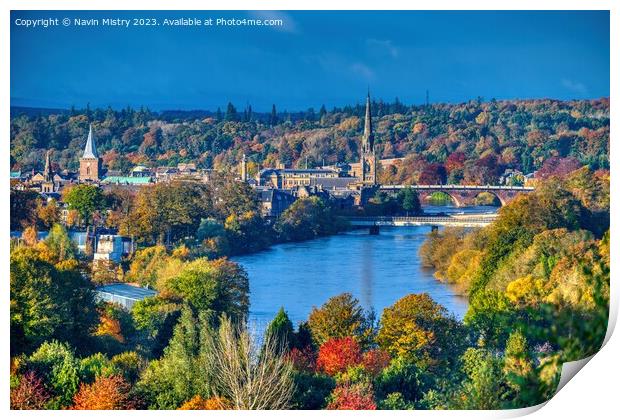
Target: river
(376,269)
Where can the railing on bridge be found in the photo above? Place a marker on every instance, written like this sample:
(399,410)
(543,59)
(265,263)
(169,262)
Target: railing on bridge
(470,220)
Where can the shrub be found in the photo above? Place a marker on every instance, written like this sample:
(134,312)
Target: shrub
(199,403)
(352,397)
(311,390)
(29,394)
(106,393)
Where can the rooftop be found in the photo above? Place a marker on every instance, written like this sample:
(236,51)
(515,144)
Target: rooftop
(127,291)
(127,180)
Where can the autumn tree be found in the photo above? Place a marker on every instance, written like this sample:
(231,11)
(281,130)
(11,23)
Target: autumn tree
(338,354)
(23,208)
(419,329)
(341,316)
(106,393)
(352,397)
(167,212)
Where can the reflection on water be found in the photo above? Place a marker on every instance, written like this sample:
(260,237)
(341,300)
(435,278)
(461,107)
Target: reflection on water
(376,269)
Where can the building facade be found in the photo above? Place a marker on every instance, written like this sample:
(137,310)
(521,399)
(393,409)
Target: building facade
(293,178)
(90,162)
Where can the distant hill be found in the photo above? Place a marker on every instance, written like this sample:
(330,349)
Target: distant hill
(471,142)
(36,112)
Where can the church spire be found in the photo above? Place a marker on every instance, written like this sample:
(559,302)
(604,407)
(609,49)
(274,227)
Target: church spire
(47,172)
(369,138)
(90,151)
(368,160)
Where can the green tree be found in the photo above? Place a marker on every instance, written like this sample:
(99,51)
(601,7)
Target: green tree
(184,370)
(280,329)
(56,364)
(482,390)
(341,316)
(219,287)
(409,201)
(48,302)
(86,199)
(305,219)
(231,112)
(60,244)
(154,319)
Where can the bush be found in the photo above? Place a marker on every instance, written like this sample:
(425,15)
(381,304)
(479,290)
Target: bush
(352,397)
(311,390)
(199,403)
(57,366)
(30,393)
(106,393)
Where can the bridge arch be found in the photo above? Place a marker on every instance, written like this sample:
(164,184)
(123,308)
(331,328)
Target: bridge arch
(455,197)
(499,198)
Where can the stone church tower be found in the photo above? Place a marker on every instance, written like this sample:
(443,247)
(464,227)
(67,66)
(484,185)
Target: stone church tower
(48,185)
(90,162)
(368,159)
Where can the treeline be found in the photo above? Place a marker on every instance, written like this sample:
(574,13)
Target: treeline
(473,142)
(542,269)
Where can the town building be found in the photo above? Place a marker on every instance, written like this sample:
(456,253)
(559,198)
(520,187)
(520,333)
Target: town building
(274,202)
(112,248)
(90,162)
(293,178)
(123,294)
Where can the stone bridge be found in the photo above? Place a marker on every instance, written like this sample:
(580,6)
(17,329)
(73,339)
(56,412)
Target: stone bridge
(464,195)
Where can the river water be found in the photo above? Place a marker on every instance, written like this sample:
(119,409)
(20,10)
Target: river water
(376,269)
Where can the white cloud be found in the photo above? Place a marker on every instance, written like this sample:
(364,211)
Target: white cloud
(383,47)
(362,70)
(574,86)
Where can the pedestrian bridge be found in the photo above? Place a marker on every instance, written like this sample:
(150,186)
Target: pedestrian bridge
(459,220)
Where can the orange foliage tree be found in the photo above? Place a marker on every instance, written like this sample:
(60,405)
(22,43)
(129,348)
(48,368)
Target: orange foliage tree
(213,403)
(106,393)
(337,354)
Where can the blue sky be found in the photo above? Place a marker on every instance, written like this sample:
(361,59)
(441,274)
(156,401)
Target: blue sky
(315,58)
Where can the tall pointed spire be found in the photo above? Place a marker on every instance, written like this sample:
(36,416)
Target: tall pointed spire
(47,173)
(368,159)
(90,151)
(369,138)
